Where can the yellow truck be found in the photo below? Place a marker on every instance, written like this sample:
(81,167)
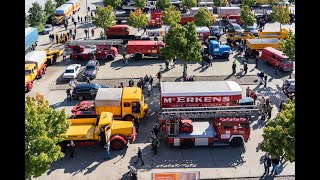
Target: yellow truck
(255,45)
(236,36)
(75,5)
(282,34)
(62,13)
(53,53)
(100,130)
(35,67)
(125,103)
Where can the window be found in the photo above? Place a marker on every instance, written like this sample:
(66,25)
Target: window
(136,107)
(90,68)
(27,72)
(126,104)
(69,71)
(244,125)
(227,125)
(82,90)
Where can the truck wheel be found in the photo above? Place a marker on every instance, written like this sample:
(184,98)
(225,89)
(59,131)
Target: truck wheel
(109,57)
(80,98)
(225,55)
(187,143)
(116,144)
(138,56)
(159,26)
(128,117)
(79,57)
(236,142)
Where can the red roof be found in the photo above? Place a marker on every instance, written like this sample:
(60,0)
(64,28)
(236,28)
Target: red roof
(275,51)
(145,43)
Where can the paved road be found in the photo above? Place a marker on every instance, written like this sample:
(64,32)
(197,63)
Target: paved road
(217,162)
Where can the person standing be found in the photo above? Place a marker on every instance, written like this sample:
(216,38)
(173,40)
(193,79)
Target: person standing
(167,64)
(248,91)
(257,61)
(75,24)
(86,32)
(131,82)
(185,70)
(269,110)
(234,66)
(81,20)
(92,32)
(140,157)
(69,94)
(245,67)
(275,165)
(159,76)
(136,122)
(107,151)
(91,14)
(73,36)
(151,80)
(281,106)
(210,59)
(85,19)
(267,164)
(78,19)
(174,62)
(149,89)
(156,130)
(276,69)
(144,29)
(72,149)
(265,80)
(155,145)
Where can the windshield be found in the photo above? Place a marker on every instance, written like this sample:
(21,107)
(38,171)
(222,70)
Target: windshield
(47,26)
(215,28)
(237,27)
(90,68)
(286,61)
(69,71)
(27,72)
(251,28)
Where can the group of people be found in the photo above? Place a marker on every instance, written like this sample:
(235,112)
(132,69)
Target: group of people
(206,60)
(263,78)
(267,162)
(266,108)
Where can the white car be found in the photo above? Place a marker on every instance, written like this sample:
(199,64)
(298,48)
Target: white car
(47,29)
(72,71)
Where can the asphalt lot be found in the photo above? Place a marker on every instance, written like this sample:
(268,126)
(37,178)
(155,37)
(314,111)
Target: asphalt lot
(216,162)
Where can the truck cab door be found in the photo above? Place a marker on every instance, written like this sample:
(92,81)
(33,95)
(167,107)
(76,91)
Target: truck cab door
(126,108)
(136,109)
(216,50)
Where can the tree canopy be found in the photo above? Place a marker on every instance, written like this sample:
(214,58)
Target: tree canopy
(104,17)
(44,127)
(204,17)
(49,7)
(247,16)
(36,16)
(249,2)
(140,3)
(60,2)
(171,15)
(137,19)
(189,3)
(280,14)
(163,4)
(279,134)
(288,46)
(224,3)
(112,3)
(182,42)
(26,24)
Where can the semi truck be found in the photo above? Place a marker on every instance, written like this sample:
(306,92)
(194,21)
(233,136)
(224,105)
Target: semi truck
(140,48)
(100,130)
(237,36)
(75,5)
(62,13)
(218,50)
(35,67)
(125,103)
(255,45)
(282,34)
(30,39)
(204,113)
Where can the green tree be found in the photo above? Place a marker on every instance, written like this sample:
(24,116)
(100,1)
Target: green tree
(163,4)
(26,24)
(112,3)
(204,17)
(224,3)
(137,19)
(288,47)
(104,17)
(247,16)
(216,3)
(171,15)
(49,7)
(249,2)
(44,127)
(280,14)
(292,1)
(60,2)
(140,3)
(279,134)
(36,16)
(188,4)
(182,42)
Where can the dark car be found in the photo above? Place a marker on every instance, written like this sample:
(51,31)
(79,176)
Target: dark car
(86,91)
(91,69)
(252,29)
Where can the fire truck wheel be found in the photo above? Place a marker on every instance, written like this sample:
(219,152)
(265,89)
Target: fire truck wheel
(225,55)
(80,98)
(187,143)
(138,56)
(117,144)
(79,57)
(109,57)
(236,141)
(128,117)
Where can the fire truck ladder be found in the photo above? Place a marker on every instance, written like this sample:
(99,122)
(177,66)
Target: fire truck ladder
(113,42)
(209,112)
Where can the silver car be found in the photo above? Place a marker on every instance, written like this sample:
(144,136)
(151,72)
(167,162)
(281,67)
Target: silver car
(237,28)
(47,29)
(253,30)
(215,30)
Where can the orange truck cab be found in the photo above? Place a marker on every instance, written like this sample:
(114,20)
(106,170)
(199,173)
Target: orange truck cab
(118,30)
(275,57)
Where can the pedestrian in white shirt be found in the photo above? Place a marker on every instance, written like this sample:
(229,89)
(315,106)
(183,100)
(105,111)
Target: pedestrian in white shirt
(149,89)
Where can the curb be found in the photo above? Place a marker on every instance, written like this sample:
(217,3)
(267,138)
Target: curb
(250,177)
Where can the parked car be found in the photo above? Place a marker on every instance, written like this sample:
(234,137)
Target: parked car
(234,27)
(86,91)
(47,29)
(252,29)
(72,71)
(288,88)
(91,69)
(215,30)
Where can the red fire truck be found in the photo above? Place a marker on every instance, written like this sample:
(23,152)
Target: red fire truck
(140,48)
(223,119)
(84,49)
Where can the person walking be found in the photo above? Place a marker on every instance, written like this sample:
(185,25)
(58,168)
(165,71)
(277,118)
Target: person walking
(151,80)
(140,157)
(275,165)
(85,19)
(174,62)
(257,61)
(72,19)
(92,32)
(72,149)
(265,80)
(88,8)
(69,94)
(107,150)
(70,32)
(144,29)
(185,70)
(281,106)
(234,66)
(64,55)
(149,88)
(210,59)
(91,14)
(73,36)
(267,164)
(78,19)
(276,70)
(136,123)
(269,110)
(75,24)
(248,91)
(86,32)
(245,68)
(121,84)
(155,145)
(75,32)
(156,130)
(81,20)
(131,82)
(159,76)
(167,64)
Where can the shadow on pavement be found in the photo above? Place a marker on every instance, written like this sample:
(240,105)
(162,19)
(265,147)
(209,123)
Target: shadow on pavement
(64,103)
(144,62)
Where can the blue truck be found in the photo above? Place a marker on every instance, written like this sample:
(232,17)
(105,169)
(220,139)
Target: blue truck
(31,39)
(216,49)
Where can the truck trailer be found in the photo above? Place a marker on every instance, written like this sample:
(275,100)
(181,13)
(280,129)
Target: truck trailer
(30,39)
(35,67)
